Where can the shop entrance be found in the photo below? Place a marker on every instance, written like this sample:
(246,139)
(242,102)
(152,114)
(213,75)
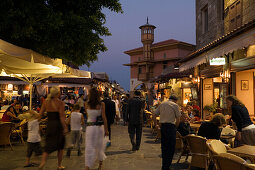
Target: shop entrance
(220,92)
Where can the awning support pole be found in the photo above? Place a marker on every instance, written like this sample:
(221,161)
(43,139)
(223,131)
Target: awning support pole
(30,91)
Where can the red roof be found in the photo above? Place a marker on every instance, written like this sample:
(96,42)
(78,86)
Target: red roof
(161,43)
(166,42)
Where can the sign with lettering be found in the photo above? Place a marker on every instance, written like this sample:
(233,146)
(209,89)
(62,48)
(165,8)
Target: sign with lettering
(217,61)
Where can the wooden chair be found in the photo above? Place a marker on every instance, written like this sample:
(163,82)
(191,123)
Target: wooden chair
(18,131)
(199,151)
(182,146)
(229,131)
(5,133)
(228,161)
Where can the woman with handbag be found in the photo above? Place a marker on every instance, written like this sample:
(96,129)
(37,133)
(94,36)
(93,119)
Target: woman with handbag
(95,131)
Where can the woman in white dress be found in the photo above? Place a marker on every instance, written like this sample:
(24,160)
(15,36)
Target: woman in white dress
(95,131)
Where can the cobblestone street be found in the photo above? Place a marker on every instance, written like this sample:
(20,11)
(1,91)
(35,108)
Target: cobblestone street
(119,155)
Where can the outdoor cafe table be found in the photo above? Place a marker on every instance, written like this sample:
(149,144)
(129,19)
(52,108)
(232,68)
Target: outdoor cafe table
(195,126)
(247,151)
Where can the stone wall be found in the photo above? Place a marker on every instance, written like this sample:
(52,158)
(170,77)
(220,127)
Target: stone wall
(215,22)
(218,18)
(247,12)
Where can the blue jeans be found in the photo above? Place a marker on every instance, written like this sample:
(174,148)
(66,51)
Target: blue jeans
(168,140)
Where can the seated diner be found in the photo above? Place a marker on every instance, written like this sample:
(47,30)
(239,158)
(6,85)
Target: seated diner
(211,129)
(10,115)
(184,126)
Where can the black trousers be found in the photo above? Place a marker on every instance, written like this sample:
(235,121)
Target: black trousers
(109,130)
(168,140)
(135,129)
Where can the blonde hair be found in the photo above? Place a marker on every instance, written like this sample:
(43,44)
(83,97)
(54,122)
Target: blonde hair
(30,115)
(54,91)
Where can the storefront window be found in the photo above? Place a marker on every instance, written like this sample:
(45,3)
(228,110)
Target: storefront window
(186,95)
(220,94)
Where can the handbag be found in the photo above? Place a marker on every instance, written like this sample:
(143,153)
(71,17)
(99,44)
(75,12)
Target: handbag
(99,120)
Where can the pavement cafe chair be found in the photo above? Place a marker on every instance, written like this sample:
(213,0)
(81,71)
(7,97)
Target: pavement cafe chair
(228,161)
(5,133)
(216,146)
(182,146)
(199,151)
(18,131)
(227,131)
(150,122)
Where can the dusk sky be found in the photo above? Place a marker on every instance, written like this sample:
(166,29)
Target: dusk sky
(174,19)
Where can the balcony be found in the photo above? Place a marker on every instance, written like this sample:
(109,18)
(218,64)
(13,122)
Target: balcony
(145,76)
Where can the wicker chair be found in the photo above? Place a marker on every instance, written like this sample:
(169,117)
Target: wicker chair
(158,132)
(228,161)
(18,131)
(199,151)
(5,133)
(216,146)
(229,131)
(149,120)
(182,146)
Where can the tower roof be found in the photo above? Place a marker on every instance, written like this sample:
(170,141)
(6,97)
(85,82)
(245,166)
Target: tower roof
(147,25)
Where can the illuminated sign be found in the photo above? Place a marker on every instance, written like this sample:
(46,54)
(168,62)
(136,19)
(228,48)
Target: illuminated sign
(217,61)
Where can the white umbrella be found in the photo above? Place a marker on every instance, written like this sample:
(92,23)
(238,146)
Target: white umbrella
(27,65)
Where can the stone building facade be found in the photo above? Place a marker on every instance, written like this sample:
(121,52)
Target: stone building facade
(209,21)
(215,18)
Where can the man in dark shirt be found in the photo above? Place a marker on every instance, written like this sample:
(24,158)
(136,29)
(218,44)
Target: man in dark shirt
(135,119)
(124,108)
(110,112)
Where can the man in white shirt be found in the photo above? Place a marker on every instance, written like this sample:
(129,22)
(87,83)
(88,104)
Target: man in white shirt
(169,118)
(76,121)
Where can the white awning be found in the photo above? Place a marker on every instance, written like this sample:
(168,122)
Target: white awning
(65,85)
(192,63)
(243,40)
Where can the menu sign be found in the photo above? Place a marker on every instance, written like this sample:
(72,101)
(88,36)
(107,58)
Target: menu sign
(217,61)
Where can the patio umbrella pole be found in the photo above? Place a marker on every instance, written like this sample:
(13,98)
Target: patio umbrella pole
(30,92)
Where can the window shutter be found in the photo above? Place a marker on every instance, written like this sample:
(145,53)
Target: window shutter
(238,14)
(232,17)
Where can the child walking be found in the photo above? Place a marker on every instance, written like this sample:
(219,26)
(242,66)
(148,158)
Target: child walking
(76,120)
(34,138)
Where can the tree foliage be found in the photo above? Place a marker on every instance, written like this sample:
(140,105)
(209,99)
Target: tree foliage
(67,29)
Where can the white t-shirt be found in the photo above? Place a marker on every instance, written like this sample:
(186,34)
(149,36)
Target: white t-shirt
(33,131)
(168,111)
(76,121)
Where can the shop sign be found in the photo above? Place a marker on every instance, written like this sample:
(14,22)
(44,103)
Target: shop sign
(217,61)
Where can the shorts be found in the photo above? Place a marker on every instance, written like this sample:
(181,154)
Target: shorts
(33,147)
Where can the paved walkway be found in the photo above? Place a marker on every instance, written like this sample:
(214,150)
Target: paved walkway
(119,155)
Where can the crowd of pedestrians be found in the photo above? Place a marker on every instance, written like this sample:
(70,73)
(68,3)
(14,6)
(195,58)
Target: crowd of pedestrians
(96,112)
